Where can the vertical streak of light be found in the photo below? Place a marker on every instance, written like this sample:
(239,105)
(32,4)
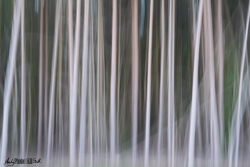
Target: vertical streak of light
(39,138)
(135,76)
(113,79)
(9,76)
(147,134)
(221,71)
(98,101)
(73,92)
(170,80)
(243,57)
(23,84)
(84,82)
(70,67)
(213,105)
(194,89)
(52,84)
(59,111)
(46,79)
(92,87)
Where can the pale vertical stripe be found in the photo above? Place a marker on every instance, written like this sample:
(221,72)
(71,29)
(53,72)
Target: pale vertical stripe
(23,84)
(135,76)
(194,89)
(147,129)
(9,76)
(84,82)
(52,84)
(113,79)
(73,89)
(243,57)
(40,102)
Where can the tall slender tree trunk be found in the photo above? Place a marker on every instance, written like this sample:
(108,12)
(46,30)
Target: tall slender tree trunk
(91,86)
(14,117)
(82,141)
(52,84)
(243,57)
(213,106)
(173,89)
(73,89)
(39,138)
(169,80)
(100,77)
(191,146)
(148,103)
(171,107)
(113,79)
(46,80)
(70,67)
(9,76)
(220,53)
(135,76)
(23,83)
(161,78)
(59,110)
(118,80)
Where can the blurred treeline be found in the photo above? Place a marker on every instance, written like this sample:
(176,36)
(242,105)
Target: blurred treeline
(234,14)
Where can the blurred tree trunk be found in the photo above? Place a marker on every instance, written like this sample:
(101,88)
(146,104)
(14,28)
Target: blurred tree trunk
(195,91)
(40,82)
(161,96)
(9,78)
(46,79)
(113,80)
(220,57)
(148,102)
(135,76)
(214,128)
(23,83)
(52,84)
(85,56)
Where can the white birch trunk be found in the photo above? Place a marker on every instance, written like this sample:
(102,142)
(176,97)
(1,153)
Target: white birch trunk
(82,141)
(148,103)
(171,82)
(73,89)
(221,71)
(191,146)
(215,146)
(70,67)
(23,84)
(40,102)
(52,84)
(9,76)
(135,76)
(243,57)
(91,88)
(113,79)
(46,81)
